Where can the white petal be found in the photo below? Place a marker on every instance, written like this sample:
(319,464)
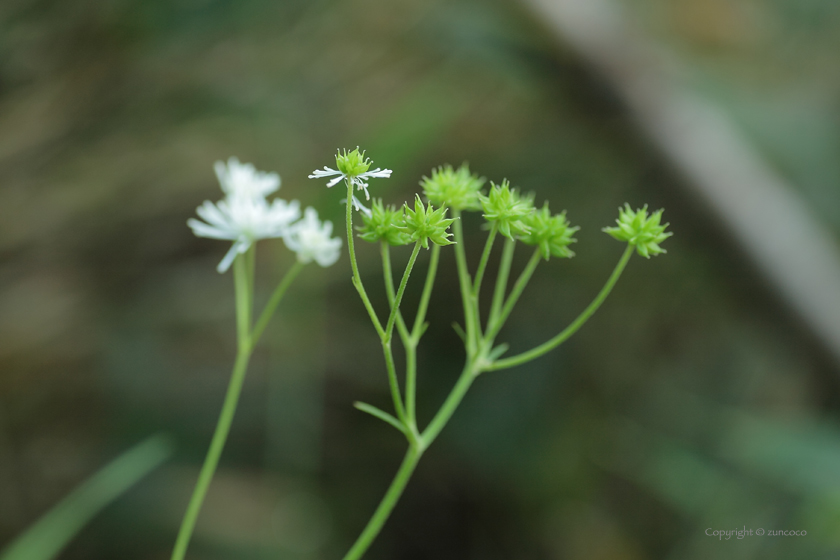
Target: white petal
(335,181)
(235,249)
(384,173)
(326,172)
(221,174)
(360,207)
(214,215)
(201,229)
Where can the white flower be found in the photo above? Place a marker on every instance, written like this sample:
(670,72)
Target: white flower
(353,167)
(244,220)
(360,181)
(242,179)
(311,240)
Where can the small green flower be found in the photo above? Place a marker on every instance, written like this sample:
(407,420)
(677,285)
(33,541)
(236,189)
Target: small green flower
(639,230)
(384,223)
(458,190)
(353,168)
(425,223)
(551,234)
(507,208)
(352,164)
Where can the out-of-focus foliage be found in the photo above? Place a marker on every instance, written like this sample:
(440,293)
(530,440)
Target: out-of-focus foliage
(45,539)
(692,400)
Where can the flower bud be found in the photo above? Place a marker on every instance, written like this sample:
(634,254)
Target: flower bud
(458,190)
(425,223)
(384,223)
(507,208)
(640,230)
(552,235)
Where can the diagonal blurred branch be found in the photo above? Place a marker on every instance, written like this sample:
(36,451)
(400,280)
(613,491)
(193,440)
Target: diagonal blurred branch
(798,255)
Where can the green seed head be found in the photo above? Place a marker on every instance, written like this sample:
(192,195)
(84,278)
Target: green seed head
(456,189)
(552,235)
(425,223)
(352,164)
(385,223)
(640,230)
(507,208)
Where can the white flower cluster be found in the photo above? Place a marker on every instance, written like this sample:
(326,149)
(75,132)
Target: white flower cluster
(245,216)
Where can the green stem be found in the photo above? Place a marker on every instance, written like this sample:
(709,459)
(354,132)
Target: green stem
(395,306)
(485,256)
(465,284)
(393,382)
(234,389)
(574,326)
(385,249)
(416,333)
(383,511)
(452,401)
(497,323)
(251,267)
(274,301)
(501,284)
(416,448)
(357,279)
(241,285)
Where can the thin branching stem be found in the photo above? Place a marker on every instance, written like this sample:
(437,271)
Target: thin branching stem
(274,301)
(498,322)
(395,306)
(416,334)
(485,256)
(357,279)
(501,285)
(383,511)
(574,326)
(465,283)
(385,250)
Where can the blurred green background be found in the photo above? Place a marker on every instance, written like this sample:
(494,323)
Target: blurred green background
(696,398)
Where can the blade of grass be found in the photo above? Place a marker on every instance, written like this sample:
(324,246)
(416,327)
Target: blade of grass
(50,534)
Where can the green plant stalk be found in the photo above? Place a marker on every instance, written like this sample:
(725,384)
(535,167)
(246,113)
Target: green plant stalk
(243,267)
(485,256)
(498,322)
(357,279)
(477,362)
(465,283)
(385,250)
(416,334)
(411,340)
(471,370)
(228,410)
(501,284)
(574,326)
(386,506)
(412,457)
(251,267)
(385,338)
(395,305)
(241,284)
(419,320)
(393,382)
(419,443)
(274,300)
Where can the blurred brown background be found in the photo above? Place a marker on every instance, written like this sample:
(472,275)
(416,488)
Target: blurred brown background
(703,394)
